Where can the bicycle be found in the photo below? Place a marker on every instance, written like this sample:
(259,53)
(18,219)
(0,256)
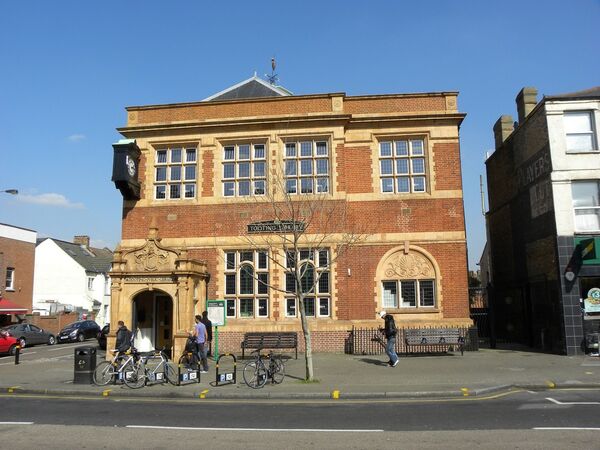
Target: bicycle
(126,364)
(256,372)
(161,372)
(189,359)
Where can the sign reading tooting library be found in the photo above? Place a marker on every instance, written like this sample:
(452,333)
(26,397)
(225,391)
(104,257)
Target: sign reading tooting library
(276,226)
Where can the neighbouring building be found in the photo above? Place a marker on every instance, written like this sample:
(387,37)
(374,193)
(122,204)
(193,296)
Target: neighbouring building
(72,277)
(17,256)
(197,178)
(544,221)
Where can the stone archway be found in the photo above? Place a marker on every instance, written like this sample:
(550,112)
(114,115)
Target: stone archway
(156,269)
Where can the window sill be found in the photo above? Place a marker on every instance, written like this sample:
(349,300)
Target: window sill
(423,310)
(9,290)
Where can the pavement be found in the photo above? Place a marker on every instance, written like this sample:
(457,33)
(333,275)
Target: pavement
(338,376)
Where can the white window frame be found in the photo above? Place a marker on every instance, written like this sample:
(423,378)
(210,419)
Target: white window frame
(90,283)
(319,259)
(398,300)
(316,156)
(592,209)
(575,133)
(403,150)
(184,184)
(10,279)
(253,180)
(260,266)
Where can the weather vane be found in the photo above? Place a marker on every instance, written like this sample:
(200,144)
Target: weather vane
(273,78)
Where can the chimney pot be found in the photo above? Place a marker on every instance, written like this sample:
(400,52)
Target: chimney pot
(502,129)
(82,240)
(526,101)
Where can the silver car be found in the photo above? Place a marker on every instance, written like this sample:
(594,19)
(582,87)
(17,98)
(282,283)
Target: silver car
(28,334)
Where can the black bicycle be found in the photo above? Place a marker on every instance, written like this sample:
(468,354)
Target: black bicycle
(263,368)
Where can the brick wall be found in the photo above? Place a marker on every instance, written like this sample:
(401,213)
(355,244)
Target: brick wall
(21,256)
(447,169)
(354,168)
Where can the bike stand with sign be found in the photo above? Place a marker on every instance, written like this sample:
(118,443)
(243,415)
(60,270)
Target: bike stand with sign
(226,377)
(186,375)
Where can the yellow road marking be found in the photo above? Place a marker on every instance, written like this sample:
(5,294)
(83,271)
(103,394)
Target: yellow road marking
(12,389)
(550,384)
(203,393)
(465,392)
(335,394)
(106,392)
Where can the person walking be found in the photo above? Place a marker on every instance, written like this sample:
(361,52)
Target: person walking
(390,331)
(208,324)
(123,342)
(201,336)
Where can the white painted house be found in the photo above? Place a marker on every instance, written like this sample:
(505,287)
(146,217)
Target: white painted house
(72,276)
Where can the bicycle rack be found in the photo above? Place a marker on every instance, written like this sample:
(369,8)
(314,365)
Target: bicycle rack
(187,375)
(226,377)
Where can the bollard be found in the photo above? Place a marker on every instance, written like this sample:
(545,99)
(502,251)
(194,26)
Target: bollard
(17,352)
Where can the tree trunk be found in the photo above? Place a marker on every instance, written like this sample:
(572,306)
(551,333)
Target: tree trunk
(307,341)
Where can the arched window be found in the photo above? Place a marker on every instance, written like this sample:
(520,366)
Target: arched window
(408,281)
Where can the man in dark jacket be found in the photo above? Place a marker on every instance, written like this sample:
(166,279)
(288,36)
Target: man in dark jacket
(123,337)
(390,331)
(208,324)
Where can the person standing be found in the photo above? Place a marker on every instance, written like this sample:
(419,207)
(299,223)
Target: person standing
(201,337)
(390,331)
(123,342)
(208,324)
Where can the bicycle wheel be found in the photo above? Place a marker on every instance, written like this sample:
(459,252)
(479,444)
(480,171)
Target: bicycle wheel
(171,373)
(255,374)
(277,369)
(135,374)
(104,373)
(189,361)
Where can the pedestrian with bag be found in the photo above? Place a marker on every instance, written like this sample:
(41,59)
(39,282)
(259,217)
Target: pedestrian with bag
(390,331)
(208,324)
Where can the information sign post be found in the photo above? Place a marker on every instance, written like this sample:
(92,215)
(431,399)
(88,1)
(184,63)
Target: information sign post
(216,314)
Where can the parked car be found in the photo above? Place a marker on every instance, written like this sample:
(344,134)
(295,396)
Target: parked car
(8,344)
(102,336)
(28,334)
(79,331)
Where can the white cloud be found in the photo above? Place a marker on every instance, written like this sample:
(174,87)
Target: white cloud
(76,137)
(51,199)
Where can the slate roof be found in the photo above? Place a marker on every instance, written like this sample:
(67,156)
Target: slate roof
(95,260)
(253,87)
(590,93)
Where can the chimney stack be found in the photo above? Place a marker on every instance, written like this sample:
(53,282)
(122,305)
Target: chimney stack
(503,127)
(526,101)
(82,240)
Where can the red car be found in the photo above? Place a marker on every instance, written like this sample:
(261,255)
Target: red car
(8,344)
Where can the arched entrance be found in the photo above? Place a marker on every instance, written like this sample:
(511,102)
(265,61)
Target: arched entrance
(152,321)
(157,289)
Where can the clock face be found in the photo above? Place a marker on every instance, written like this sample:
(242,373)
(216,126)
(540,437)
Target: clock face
(130,166)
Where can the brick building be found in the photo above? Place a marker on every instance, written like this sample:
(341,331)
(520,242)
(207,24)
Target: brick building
(198,180)
(544,221)
(17,258)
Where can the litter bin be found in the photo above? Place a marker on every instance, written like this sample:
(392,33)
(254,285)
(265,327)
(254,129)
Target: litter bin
(84,365)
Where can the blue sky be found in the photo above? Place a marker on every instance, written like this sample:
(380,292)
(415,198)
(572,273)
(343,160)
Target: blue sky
(69,68)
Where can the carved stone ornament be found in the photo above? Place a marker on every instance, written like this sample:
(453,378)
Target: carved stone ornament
(411,265)
(151,258)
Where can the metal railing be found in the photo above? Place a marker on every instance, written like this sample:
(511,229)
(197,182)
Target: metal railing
(367,341)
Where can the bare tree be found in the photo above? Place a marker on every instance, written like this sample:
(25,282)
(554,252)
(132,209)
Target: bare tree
(304,235)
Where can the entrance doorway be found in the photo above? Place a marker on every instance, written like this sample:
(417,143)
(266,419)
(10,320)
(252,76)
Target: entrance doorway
(153,321)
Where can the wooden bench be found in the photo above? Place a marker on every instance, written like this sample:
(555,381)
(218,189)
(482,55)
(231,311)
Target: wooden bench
(270,340)
(433,339)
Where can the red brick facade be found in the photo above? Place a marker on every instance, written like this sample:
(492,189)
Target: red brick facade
(425,229)
(19,255)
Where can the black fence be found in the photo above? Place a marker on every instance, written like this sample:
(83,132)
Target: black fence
(370,341)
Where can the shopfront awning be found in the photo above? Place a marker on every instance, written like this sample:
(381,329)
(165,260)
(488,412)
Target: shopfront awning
(8,307)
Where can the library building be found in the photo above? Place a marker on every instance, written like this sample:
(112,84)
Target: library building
(226,198)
